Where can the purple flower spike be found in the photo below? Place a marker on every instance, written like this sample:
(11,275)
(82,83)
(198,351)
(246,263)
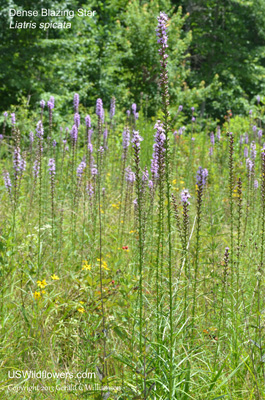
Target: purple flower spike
(13,118)
(193,119)
(42,104)
(81,169)
(88,121)
(50,105)
(254,128)
(94,170)
(77,119)
(256,184)
(36,169)
(76,102)
(245,152)
(218,132)
(7,181)
(39,130)
(5,114)
(74,134)
(201,177)
(258,98)
(126,139)
(211,152)
(180,108)
(192,109)
(246,138)
(161,31)
(99,109)
(54,143)
(250,112)
(51,165)
(260,133)
(128,112)
(129,175)
(212,138)
(185,196)
(253,152)
(136,139)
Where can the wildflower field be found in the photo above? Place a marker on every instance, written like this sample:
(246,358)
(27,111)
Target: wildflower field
(132,251)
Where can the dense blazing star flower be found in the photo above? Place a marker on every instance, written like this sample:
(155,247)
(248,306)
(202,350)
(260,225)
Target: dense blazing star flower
(89,135)
(254,128)
(54,143)
(150,184)
(245,152)
(5,114)
(129,175)
(126,138)
(250,112)
(76,102)
(100,110)
(112,107)
(253,152)
(241,140)
(13,119)
(74,134)
(50,105)
(7,181)
(90,147)
(249,164)
(185,196)
(1,137)
(246,138)
(90,189)
(36,168)
(211,151)
(94,170)
(161,31)
(258,98)
(145,176)
(136,139)
(201,177)
(180,108)
(77,119)
(260,133)
(42,104)
(193,119)
(81,169)
(192,109)
(256,184)
(88,121)
(128,112)
(51,165)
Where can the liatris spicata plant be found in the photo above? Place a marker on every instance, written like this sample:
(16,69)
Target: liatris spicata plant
(185,196)
(201,179)
(231,202)
(39,135)
(136,144)
(52,171)
(161,32)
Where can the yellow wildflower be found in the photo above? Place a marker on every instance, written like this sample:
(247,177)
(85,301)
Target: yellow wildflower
(81,310)
(42,284)
(86,266)
(55,277)
(37,295)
